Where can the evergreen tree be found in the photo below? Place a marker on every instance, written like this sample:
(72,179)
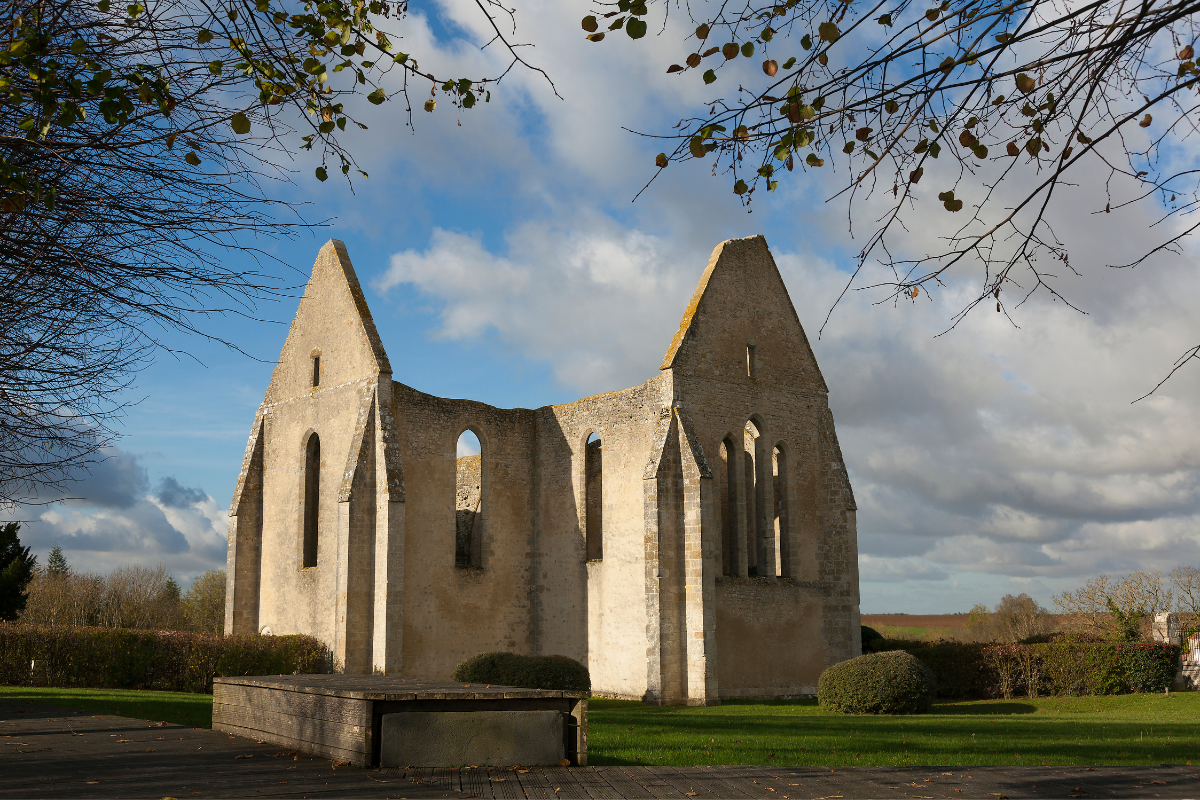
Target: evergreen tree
(56,563)
(16,571)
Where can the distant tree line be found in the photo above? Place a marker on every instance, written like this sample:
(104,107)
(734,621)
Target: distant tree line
(1103,609)
(137,597)
(1123,609)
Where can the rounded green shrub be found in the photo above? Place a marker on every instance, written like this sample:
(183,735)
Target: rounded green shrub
(530,672)
(892,682)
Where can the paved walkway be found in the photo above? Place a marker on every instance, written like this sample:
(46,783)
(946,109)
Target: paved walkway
(46,751)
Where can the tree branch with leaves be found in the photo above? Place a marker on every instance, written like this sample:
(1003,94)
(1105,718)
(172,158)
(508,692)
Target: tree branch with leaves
(140,145)
(983,94)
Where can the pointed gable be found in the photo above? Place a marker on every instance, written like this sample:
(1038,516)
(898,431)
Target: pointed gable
(332,323)
(741,326)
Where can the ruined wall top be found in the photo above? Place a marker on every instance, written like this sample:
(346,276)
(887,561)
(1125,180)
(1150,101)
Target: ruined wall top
(332,324)
(741,326)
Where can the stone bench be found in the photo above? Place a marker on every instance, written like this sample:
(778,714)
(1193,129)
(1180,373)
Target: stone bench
(373,720)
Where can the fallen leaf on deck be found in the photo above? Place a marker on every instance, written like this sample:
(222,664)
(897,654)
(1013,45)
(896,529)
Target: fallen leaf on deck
(149,750)
(564,762)
(248,755)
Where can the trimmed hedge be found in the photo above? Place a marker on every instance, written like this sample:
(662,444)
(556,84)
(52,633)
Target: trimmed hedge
(532,672)
(871,639)
(977,670)
(66,656)
(878,683)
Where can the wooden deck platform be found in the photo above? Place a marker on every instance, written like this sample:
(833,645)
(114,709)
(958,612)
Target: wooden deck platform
(340,716)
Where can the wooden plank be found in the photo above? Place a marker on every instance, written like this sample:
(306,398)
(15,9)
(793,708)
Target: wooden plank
(583,781)
(736,781)
(700,782)
(623,784)
(336,709)
(317,749)
(504,783)
(238,715)
(534,783)
(313,748)
(304,729)
(563,778)
(654,783)
(475,782)
(370,687)
(447,778)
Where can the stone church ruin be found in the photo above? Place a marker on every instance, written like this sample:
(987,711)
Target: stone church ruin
(689,539)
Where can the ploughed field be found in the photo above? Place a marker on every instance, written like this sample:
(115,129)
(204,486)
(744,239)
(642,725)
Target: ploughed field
(1117,731)
(924,626)
(916,626)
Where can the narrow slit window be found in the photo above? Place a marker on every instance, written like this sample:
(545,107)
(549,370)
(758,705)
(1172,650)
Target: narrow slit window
(468,501)
(751,365)
(594,502)
(312,499)
(316,378)
(783,554)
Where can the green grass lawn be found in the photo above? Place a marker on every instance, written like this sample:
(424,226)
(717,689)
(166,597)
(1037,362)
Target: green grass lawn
(1130,729)
(914,634)
(178,707)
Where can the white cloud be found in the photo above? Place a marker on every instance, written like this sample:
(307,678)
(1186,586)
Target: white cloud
(589,296)
(122,521)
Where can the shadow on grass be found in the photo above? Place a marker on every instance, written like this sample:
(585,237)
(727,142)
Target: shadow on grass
(1004,709)
(194,710)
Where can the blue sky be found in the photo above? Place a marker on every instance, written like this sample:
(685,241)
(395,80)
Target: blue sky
(503,261)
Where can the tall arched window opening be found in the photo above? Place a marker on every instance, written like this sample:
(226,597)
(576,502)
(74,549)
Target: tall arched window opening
(783,554)
(760,529)
(594,501)
(750,506)
(312,499)
(468,501)
(731,554)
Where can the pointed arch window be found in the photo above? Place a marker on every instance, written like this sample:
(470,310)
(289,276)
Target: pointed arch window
(762,544)
(729,452)
(312,499)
